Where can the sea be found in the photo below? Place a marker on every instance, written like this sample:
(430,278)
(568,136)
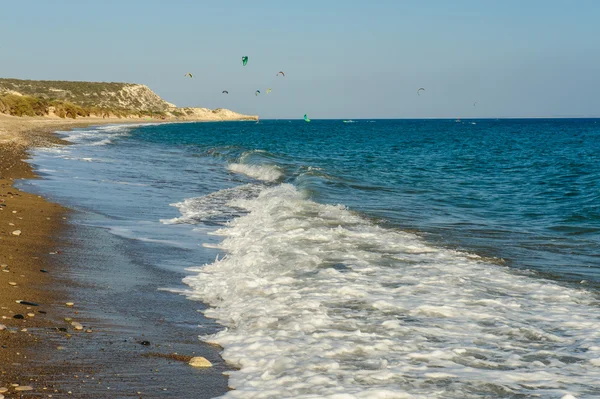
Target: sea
(363,258)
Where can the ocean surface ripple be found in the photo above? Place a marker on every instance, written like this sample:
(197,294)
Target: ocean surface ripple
(395,259)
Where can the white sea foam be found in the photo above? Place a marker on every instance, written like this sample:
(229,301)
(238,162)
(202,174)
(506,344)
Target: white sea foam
(213,207)
(267,173)
(320,303)
(100,135)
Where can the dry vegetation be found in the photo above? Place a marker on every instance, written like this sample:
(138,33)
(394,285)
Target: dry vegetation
(88,94)
(66,99)
(23,105)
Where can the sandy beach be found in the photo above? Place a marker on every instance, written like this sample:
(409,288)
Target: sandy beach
(30,230)
(41,306)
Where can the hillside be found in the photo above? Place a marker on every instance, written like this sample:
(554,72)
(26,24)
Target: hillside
(100,94)
(105,99)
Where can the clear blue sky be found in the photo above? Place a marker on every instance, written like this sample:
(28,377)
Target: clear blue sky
(342,59)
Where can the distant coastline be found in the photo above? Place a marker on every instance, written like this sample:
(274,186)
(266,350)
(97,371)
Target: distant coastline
(75,100)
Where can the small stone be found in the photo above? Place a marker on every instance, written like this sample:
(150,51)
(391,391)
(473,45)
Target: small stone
(69,304)
(31,314)
(1,396)
(44,270)
(27,303)
(145,343)
(18,316)
(68,319)
(16,233)
(3,266)
(77,326)
(3,389)
(12,283)
(14,211)
(2,328)
(200,361)
(24,388)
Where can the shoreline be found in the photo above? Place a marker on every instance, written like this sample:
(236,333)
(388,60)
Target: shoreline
(40,223)
(32,349)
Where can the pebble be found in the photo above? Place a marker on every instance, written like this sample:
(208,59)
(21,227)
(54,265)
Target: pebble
(3,389)
(16,233)
(69,304)
(31,314)
(12,283)
(27,303)
(24,388)
(18,316)
(1,396)
(77,326)
(200,361)
(2,328)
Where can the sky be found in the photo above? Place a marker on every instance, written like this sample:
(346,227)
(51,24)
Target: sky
(342,59)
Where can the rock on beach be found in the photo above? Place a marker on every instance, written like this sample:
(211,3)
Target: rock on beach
(200,362)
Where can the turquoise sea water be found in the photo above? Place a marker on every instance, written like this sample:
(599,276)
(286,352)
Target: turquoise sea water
(372,259)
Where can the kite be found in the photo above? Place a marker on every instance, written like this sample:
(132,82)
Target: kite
(306,118)
(268,91)
(475,103)
(188,74)
(225,92)
(280,72)
(244,60)
(420,90)
(257,92)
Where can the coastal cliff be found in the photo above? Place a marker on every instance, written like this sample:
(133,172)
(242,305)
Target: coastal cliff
(69,99)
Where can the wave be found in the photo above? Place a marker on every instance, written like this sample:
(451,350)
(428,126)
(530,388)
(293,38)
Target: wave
(100,135)
(214,207)
(319,302)
(267,173)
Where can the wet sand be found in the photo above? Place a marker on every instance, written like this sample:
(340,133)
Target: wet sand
(122,337)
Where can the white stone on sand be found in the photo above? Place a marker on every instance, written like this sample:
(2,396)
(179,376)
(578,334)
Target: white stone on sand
(199,361)
(77,326)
